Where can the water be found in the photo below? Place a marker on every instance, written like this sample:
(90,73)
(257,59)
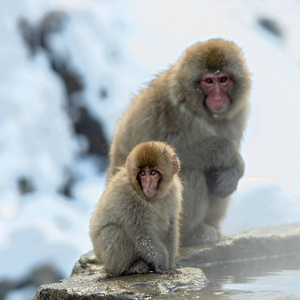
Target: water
(261,279)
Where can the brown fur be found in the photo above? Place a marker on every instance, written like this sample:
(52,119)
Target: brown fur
(172,109)
(130,232)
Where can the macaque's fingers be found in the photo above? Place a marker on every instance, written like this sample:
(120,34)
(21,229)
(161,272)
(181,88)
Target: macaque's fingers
(224,183)
(161,271)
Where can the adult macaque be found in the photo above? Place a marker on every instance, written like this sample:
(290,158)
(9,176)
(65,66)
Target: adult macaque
(135,227)
(199,106)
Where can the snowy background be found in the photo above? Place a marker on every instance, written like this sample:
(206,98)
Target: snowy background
(67,71)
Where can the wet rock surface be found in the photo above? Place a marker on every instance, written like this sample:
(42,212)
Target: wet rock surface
(89,280)
(99,286)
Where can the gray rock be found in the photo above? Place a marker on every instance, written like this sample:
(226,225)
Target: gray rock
(99,286)
(89,281)
(260,243)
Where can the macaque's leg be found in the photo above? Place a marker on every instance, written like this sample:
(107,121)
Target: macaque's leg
(117,254)
(202,234)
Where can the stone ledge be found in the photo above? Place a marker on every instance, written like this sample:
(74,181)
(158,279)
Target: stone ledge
(89,281)
(260,243)
(99,286)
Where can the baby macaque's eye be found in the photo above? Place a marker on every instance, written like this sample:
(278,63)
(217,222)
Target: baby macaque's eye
(142,173)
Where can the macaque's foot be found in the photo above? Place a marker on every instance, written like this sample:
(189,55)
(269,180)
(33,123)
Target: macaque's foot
(139,267)
(204,234)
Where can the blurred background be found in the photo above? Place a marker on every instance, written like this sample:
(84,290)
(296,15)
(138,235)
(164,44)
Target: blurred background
(68,70)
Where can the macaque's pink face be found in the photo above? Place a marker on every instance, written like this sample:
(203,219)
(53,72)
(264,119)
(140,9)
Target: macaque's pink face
(150,180)
(216,87)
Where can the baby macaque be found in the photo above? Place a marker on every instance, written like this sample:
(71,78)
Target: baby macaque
(135,227)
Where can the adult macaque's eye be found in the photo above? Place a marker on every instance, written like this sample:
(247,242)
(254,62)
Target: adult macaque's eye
(223,79)
(208,80)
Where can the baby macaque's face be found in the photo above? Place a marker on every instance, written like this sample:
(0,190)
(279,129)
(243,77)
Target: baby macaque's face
(150,180)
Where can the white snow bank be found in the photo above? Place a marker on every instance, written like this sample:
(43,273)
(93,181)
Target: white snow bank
(45,230)
(35,136)
(261,202)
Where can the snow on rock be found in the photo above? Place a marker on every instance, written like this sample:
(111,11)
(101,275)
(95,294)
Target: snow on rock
(37,143)
(93,42)
(46,229)
(261,202)
(35,137)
